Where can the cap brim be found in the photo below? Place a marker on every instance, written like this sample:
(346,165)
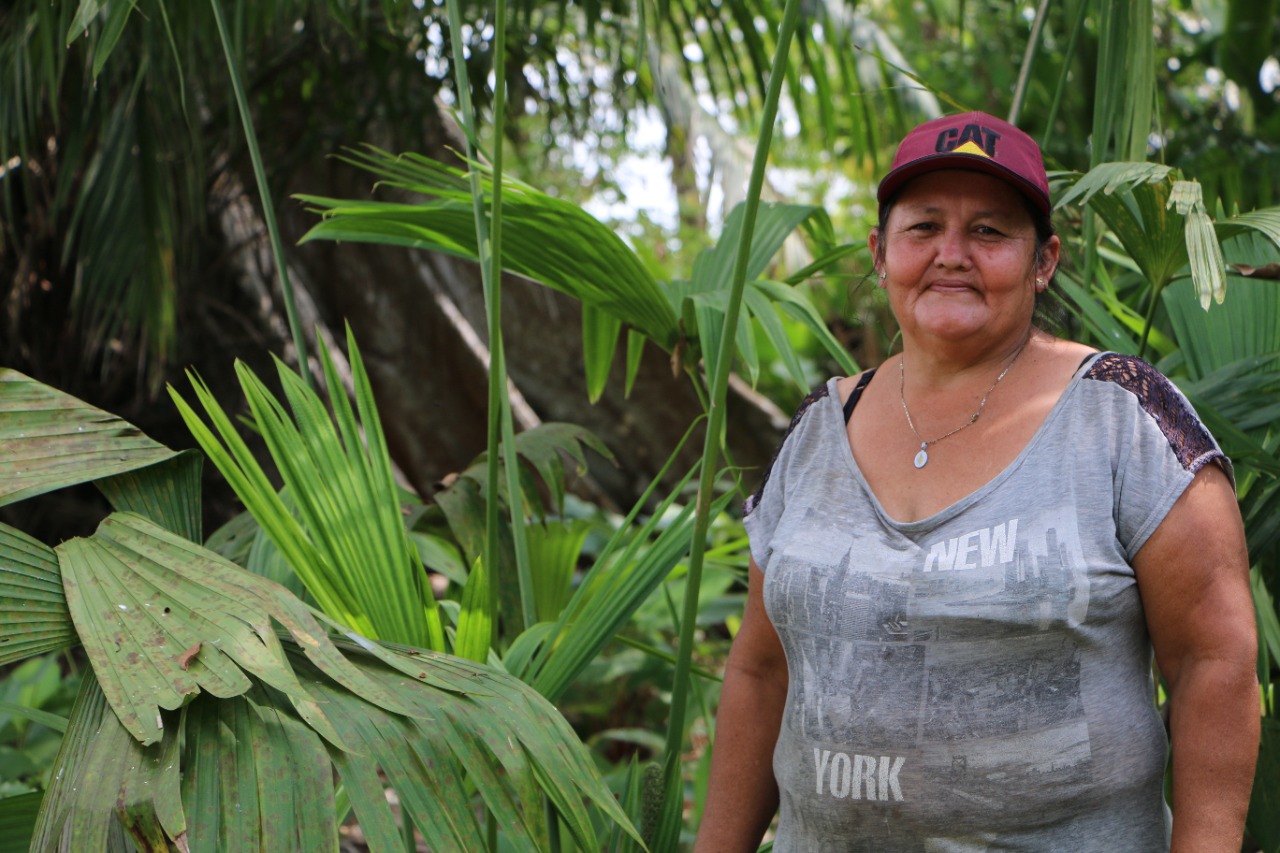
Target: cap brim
(971,162)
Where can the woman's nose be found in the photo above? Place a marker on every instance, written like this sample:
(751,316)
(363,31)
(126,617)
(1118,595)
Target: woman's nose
(952,248)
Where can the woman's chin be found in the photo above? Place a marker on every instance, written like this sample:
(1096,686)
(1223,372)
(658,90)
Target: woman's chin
(952,322)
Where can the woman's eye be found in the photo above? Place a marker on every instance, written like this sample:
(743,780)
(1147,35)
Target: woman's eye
(988,231)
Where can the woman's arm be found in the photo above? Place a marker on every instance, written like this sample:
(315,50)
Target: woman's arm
(1193,576)
(742,794)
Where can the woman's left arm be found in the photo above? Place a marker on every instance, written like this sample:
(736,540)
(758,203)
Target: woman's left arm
(1193,576)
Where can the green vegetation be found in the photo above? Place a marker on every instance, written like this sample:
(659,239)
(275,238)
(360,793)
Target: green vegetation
(416,588)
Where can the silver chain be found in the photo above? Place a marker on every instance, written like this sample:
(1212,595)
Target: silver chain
(922,456)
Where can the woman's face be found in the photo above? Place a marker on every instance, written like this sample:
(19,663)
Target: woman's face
(959,251)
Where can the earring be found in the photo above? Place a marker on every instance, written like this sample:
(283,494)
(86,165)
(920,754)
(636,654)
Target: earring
(883,276)
(1040,285)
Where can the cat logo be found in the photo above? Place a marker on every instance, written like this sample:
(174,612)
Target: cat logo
(972,139)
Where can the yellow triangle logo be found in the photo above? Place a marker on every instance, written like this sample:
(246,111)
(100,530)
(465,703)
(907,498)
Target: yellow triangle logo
(971,147)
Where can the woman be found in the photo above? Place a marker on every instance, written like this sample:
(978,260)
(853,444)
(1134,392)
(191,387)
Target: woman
(963,560)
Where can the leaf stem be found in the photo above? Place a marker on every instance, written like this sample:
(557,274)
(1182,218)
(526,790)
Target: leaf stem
(668,829)
(1028,58)
(264,193)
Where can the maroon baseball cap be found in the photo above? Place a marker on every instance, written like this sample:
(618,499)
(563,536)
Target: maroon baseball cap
(974,141)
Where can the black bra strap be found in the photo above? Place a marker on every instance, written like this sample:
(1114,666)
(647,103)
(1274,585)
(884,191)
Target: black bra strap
(856,393)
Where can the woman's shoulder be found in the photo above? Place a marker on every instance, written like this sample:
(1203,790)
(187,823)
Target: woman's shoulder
(1141,383)
(1158,403)
(845,385)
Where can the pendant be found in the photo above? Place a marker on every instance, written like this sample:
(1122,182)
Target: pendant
(922,458)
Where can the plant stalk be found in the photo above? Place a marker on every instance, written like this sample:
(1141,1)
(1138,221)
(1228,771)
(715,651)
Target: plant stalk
(499,424)
(1150,318)
(668,829)
(264,192)
(524,573)
(1028,58)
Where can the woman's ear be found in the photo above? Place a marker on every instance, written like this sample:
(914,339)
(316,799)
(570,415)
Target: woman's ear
(1047,258)
(877,261)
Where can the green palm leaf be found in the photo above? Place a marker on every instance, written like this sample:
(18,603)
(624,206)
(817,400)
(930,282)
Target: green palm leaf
(1096,318)
(33,607)
(254,778)
(1243,327)
(167,493)
(508,733)
(545,448)
(623,577)
(549,240)
(1122,113)
(1134,200)
(163,620)
(102,771)
(343,534)
(195,624)
(49,440)
(711,280)
(543,233)
(1264,223)
(554,549)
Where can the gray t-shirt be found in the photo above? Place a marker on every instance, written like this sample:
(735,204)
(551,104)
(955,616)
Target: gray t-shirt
(978,680)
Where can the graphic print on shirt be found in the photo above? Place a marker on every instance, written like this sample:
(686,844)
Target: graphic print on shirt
(952,679)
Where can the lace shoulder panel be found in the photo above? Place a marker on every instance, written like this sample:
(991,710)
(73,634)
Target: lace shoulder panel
(814,396)
(1187,436)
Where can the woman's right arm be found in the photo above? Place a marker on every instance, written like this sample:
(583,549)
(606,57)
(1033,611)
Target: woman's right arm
(742,795)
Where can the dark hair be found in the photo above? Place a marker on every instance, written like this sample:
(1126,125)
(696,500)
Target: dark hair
(1050,312)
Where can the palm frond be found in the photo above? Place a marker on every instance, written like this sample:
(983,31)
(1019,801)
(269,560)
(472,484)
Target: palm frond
(101,771)
(49,440)
(1243,327)
(549,240)
(1265,222)
(545,449)
(226,770)
(163,620)
(1122,113)
(1134,199)
(167,492)
(629,569)
(347,540)
(241,761)
(33,607)
(554,548)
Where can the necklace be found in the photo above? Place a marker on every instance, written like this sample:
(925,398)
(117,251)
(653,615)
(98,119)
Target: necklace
(922,456)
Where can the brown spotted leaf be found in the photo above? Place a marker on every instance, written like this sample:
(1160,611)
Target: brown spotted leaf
(142,598)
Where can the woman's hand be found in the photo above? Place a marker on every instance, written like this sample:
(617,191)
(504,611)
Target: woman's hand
(1193,576)
(742,794)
